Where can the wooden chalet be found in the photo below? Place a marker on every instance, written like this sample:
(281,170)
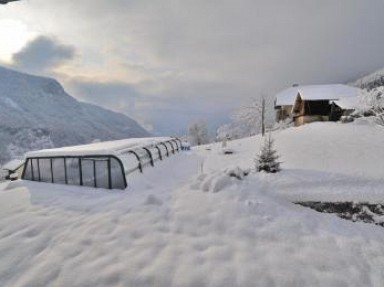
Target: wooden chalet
(306,104)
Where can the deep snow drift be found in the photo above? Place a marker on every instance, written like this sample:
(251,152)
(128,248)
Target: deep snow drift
(187,223)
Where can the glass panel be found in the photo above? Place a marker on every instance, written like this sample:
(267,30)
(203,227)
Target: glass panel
(170,147)
(144,157)
(35,170)
(155,153)
(102,173)
(73,172)
(130,162)
(58,170)
(28,171)
(45,170)
(88,172)
(174,145)
(117,175)
(163,150)
(148,155)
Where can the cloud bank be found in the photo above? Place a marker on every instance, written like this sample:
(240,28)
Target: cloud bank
(42,54)
(176,61)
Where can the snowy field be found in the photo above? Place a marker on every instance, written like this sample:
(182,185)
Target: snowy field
(187,223)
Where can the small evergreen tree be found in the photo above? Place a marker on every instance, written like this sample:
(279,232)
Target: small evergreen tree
(267,159)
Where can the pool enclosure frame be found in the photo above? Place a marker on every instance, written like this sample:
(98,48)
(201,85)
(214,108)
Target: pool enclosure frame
(110,176)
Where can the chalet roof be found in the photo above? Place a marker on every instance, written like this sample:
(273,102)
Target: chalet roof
(316,92)
(349,103)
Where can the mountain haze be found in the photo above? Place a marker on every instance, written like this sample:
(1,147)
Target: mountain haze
(36,112)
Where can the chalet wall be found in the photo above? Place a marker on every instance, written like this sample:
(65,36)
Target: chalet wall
(300,120)
(283,113)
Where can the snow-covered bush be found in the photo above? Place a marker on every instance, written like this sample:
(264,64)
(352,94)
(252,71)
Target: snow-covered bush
(267,160)
(237,172)
(372,105)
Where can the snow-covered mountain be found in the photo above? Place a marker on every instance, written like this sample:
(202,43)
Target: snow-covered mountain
(36,112)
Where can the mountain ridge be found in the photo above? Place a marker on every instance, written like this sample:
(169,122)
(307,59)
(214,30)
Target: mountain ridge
(36,112)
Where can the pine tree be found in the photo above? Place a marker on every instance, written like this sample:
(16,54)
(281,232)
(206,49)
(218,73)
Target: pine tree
(267,159)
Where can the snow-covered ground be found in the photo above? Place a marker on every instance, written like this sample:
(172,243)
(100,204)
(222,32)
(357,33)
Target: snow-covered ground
(187,223)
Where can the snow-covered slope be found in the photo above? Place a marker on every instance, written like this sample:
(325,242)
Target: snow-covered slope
(371,81)
(186,223)
(36,112)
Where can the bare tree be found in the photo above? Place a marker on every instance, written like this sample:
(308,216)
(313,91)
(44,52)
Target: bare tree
(198,133)
(249,116)
(262,116)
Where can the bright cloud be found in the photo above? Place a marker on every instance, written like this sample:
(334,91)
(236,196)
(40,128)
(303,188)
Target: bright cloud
(202,58)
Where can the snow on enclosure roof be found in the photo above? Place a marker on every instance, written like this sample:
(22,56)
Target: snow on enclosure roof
(100,148)
(316,92)
(13,164)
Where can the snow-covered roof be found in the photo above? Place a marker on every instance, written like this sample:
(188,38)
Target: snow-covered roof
(13,164)
(316,92)
(100,148)
(350,103)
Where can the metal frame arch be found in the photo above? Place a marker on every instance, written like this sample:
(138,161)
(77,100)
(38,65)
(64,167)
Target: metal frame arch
(173,148)
(150,155)
(138,159)
(177,146)
(159,150)
(162,143)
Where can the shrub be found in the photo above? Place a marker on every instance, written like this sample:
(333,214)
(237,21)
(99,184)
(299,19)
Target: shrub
(267,160)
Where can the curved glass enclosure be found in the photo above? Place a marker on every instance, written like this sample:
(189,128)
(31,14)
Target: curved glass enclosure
(100,165)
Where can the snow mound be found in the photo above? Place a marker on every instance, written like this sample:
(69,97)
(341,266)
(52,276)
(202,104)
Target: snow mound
(153,200)
(217,181)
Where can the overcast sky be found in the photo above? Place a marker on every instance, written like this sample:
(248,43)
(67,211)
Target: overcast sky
(169,62)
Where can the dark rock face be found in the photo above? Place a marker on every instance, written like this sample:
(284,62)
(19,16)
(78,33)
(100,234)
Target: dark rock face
(361,211)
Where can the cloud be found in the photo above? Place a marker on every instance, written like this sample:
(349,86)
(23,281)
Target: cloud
(42,54)
(117,96)
(165,114)
(196,58)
